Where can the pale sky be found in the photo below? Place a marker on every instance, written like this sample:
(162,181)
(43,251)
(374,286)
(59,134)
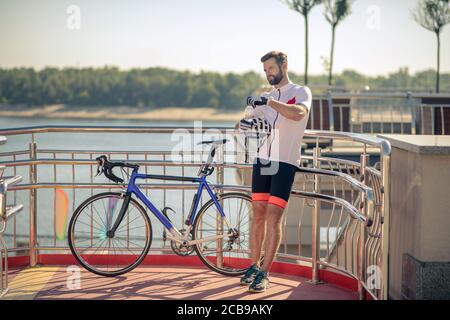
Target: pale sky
(215,35)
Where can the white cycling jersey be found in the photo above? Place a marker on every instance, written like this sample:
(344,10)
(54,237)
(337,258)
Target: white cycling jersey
(285,140)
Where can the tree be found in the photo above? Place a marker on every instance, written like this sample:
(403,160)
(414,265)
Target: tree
(304,8)
(335,12)
(433,15)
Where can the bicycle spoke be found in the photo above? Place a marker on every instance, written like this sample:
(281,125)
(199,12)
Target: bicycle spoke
(104,255)
(99,224)
(137,245)
(134,228)
(233,252)
(129,214)
(114,250)
(101,242)
(99,215)
(129,247)
(106,215)
(87,239)
(129,223)
(210,225)
(90,226)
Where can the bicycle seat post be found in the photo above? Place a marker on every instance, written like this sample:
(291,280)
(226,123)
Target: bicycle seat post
(205,168)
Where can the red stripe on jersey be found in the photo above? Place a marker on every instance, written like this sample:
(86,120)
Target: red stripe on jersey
(292,101)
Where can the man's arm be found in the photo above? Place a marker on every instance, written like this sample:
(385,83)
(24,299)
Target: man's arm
(294,112)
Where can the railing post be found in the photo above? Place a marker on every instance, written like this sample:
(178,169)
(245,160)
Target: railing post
(364,161)
(316,223)
(409,103)
(220,180)
(386,208)
(330,110)
(33,207)
(3,262)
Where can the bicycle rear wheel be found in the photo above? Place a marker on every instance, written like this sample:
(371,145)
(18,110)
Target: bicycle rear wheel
(90,244)
(230,255)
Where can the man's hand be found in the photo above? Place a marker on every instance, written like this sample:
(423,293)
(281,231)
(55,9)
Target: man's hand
(256,101)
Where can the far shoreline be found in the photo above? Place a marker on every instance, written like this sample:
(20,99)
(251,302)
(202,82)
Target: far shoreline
(122,113)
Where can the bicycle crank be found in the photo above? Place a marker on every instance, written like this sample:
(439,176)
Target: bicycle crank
(182,249)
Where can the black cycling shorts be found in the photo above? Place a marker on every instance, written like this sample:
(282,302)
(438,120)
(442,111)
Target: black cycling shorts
(272,181)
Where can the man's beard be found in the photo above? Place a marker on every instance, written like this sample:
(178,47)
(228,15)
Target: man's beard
(276,79)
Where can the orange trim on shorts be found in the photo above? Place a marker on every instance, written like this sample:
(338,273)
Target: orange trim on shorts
(259,196)
(277,201)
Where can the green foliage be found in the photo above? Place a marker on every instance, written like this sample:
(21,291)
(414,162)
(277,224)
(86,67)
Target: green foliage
(336,11)
(302,6)
(152,87)
(432,14)
(401,80)
(160,87)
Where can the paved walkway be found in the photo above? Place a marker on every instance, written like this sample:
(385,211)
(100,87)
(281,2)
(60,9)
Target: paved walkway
(159,282)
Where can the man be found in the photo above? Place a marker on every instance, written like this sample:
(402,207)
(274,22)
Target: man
(285,111)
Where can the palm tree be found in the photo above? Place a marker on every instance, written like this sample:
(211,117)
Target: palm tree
(304,7)
(335,12)
(433,15)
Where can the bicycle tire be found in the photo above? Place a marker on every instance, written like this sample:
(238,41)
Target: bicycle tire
(82,261)
(198,247)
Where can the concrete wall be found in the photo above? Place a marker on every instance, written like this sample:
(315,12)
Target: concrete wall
(419,221)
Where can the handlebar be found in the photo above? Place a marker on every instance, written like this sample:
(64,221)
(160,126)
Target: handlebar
(105,166)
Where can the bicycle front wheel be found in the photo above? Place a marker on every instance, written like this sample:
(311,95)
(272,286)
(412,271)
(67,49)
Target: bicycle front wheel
(94,249)
(230,255)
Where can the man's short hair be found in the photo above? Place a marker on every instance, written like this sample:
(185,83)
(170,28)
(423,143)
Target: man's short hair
(279,56)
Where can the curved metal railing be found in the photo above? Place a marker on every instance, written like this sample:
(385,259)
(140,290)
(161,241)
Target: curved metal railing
(341,204)
(7,212)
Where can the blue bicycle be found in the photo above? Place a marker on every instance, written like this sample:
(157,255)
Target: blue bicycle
(110,233)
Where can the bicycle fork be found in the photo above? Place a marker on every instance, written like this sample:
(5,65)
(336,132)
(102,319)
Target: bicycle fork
(110,233)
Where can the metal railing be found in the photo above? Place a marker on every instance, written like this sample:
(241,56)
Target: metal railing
(372,113)
(336,218)
(6,212)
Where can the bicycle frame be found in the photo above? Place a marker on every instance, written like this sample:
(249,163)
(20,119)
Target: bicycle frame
(176,235)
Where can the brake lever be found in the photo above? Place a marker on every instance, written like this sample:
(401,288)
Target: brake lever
(99,172)
(100,166)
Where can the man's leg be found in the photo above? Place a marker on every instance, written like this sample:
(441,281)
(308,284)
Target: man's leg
(273,235)
(260,196)
(257,230)
(274,215)
(280,190)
